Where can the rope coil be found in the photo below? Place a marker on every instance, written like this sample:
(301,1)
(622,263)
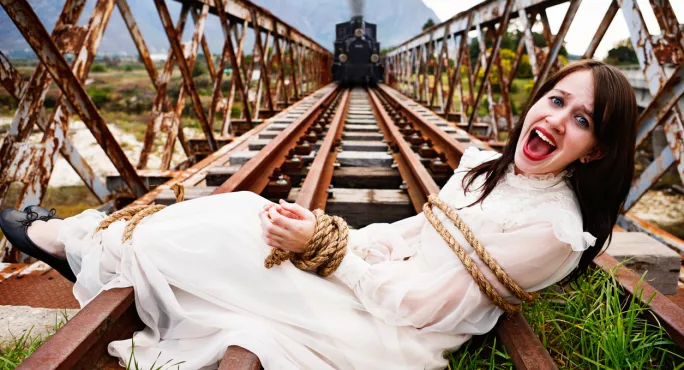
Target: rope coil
(135,214)
(482,282)
(324,251)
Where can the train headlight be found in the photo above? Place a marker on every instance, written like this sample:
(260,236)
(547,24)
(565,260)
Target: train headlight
(359,32)
(375,58)
(343,58)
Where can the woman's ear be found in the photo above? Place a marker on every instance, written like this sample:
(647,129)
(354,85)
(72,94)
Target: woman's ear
(594,154)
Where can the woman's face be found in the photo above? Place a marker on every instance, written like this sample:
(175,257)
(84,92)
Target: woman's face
(559,129)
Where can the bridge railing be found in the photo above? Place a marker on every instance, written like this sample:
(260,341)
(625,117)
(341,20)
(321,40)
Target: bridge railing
(290,65)
(435,69)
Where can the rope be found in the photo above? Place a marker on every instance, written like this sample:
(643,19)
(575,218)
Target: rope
(135,214)
(324,251)
(485,286)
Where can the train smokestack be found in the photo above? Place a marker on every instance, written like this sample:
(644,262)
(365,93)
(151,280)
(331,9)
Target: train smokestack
(356,7)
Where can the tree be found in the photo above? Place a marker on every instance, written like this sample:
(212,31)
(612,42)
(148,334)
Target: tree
(200,68)
(429,23)
(622,53)
(474,51)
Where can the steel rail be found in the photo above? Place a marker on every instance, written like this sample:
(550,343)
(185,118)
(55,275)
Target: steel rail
(450,146)
(669,314)
(409,164)
(313,193)
(251,175)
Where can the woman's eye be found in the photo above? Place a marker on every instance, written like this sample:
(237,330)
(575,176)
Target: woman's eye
(556,100)
(583,121)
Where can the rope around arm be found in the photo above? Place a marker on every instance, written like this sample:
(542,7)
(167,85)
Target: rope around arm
(135,214)
(324,251)
(482,282)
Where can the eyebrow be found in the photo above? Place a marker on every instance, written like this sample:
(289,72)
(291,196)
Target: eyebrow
(565,93)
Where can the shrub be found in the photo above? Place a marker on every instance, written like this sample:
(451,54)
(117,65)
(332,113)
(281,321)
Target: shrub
(98,68)
(100,95)
(199,69)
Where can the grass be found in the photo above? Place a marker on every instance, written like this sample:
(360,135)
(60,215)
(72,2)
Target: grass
(482,352)
(589,324)
(132,362)
(14,353)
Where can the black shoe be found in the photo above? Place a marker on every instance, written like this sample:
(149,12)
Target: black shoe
(15,225)
(43,214)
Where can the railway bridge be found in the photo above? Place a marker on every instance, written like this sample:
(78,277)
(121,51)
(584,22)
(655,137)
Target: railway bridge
(368,155)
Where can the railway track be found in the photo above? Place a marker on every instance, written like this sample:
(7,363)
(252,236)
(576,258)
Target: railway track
(366,155)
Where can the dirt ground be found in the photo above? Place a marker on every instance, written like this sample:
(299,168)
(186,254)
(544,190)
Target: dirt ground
(16,321)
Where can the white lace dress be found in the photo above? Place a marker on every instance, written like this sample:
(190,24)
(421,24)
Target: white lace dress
(399,299)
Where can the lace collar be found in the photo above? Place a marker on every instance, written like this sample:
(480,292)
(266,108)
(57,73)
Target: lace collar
(535,182)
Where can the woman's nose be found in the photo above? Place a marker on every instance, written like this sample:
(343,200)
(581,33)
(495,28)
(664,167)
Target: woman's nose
(557,122)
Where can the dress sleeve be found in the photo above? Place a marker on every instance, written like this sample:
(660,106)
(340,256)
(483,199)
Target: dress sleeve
(382,241)
(444,299)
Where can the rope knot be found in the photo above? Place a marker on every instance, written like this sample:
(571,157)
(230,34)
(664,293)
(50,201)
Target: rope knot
(324,251)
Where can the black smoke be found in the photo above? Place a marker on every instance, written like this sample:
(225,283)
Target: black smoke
(356,7)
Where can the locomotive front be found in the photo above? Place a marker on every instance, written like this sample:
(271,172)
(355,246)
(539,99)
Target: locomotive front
(357,54)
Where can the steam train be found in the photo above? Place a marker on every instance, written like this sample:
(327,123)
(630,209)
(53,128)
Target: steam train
(357,54)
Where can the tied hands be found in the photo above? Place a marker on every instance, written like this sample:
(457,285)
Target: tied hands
(287,226)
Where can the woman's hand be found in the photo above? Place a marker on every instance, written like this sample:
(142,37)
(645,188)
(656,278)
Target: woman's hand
(287,226)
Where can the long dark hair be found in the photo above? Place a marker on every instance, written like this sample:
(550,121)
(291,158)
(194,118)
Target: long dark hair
(601,186)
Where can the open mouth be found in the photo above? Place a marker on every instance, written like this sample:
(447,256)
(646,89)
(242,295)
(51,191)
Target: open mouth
(539,145)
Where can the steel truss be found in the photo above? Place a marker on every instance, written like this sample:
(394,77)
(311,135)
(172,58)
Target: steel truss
(290,66)
(407,70)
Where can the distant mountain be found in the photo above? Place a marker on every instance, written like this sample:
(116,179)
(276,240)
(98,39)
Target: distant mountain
(397,21)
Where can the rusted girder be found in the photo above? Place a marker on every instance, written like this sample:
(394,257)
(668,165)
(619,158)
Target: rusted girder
(16,87)
(189,83)
(242,9)
(138,40)
(29,25)
(240,85)
(556,45)
(407,62)
(175,128)
(160,107)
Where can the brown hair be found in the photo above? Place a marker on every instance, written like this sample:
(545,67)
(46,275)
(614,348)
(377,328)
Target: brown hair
(601,186)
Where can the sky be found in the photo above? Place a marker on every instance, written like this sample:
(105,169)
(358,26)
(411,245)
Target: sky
(590,12)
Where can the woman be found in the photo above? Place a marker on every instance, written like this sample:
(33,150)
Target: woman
(400,296)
